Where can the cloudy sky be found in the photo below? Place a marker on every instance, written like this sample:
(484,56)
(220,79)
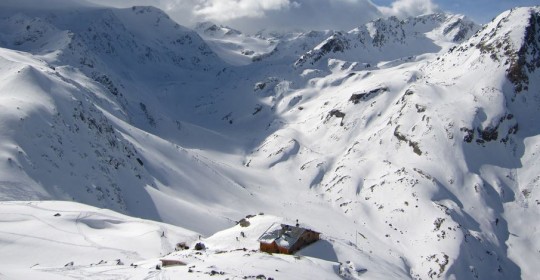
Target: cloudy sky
(481,11)
(254,15)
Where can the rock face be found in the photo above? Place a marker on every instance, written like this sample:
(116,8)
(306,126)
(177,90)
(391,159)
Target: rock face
(392,38)
(418,136)
(464,108)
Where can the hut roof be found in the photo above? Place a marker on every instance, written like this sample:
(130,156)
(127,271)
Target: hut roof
(284,235)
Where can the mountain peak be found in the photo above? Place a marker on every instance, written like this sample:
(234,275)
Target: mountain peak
(211,29)
(512,41)
(392,38)
(410,145)
(99,36)
(528,56)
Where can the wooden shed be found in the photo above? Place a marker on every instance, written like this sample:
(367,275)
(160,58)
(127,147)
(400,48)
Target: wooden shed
(171,262)
(286,239)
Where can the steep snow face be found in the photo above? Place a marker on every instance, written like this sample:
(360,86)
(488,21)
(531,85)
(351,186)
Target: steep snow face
(506,55)
(60,142)
(92,36)
(433,154)
(392,39)
(75,95)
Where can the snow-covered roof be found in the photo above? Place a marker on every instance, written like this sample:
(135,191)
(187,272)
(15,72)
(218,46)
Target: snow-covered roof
(284,235)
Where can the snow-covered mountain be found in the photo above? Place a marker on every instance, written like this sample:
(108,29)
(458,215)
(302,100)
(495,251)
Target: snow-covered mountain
(411,145)
(392,39)
(83,116)
(232,45)
(380,40)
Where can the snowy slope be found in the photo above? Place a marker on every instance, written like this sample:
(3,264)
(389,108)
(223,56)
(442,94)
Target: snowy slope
(392,39)
(422,165)
(232,45)
(372,143)
(66,240)
(73,128)
(379,40)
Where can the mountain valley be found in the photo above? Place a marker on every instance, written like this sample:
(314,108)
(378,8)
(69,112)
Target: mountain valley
(410,144)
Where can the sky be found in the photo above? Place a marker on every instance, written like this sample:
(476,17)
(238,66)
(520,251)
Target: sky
(253,15)
(481,11)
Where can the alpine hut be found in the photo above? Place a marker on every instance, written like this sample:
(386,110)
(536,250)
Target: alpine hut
(286,239)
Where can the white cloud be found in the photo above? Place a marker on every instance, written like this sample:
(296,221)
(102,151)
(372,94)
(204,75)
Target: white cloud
(310,14)
(407,8)
(225,10)
(254,15)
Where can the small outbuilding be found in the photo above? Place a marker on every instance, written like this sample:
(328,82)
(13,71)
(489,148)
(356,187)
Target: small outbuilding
(171,262)
(286,239)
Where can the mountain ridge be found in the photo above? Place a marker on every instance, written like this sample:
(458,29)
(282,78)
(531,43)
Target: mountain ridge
(429,154)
